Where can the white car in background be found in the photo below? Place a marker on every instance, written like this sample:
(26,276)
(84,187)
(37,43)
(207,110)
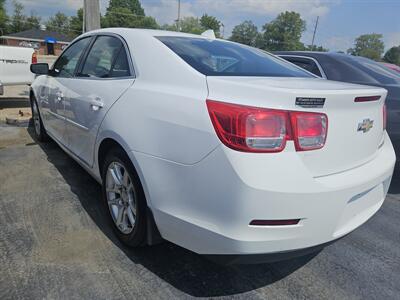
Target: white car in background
(215,146)
(15,66)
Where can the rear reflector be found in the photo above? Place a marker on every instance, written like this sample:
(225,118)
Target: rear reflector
(255,129)
(367,99)
(274,222)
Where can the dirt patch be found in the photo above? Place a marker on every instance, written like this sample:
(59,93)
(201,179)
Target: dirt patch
(19,115)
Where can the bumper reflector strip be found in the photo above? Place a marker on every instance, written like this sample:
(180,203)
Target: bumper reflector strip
(274,222)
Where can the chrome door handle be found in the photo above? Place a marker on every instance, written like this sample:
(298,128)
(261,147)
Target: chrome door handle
(59,96)
(96,104)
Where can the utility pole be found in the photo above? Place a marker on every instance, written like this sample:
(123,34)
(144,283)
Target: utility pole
(315,30)
(91,15)
(178,21)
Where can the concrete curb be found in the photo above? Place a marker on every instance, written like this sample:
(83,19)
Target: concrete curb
(20,122)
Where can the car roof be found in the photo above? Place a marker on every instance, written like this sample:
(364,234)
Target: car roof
(143,32)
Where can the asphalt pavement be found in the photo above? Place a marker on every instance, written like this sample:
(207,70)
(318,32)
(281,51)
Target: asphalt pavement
(55,244)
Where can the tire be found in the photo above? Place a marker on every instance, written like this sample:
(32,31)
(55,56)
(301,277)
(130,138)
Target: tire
(40,131)
(124,198)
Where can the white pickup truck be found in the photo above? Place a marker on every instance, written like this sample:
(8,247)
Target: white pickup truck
(15,66)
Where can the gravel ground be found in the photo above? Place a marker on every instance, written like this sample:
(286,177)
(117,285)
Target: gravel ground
(54,244)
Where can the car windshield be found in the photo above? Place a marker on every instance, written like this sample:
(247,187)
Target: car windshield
(221,58)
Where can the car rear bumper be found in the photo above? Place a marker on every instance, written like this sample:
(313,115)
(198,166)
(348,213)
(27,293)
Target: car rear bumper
(207,207)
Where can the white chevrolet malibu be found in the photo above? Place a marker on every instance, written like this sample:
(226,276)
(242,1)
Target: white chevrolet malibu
(215,146)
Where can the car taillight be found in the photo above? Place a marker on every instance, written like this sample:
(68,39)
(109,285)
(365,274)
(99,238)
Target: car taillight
(384,116)
(34,58)
(309,130)
(254,129)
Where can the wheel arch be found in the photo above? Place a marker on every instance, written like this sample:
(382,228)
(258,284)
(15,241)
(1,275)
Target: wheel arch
(105,144)
(153,235)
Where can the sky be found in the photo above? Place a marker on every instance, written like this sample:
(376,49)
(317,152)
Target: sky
(340,21)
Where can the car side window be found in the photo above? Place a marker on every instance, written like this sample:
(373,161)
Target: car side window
(305,63)
(121,65)
(66,64)
(106,58)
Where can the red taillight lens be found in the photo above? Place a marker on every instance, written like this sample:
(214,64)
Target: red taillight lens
(384,117)
(34,58)
(253,129)
(249,129)
(309,130)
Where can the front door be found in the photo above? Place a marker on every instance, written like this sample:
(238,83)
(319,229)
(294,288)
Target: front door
(102,78)
(52,95)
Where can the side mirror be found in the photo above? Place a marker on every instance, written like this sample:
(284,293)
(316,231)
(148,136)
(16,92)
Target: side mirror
(40,69)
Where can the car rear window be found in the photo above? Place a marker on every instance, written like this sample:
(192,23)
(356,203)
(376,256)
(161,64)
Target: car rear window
(220,58)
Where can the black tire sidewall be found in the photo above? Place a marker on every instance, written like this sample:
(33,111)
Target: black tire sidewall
(42,137)
(136,237)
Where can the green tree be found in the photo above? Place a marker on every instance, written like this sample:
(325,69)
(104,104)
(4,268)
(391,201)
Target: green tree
(245,33)
(393,56)
(284,33)
(191,25)
(127,13)
(59,23)
(316,48)
(33,21)
(147,22)
(76,23)
(3,18)
(368,45)
(18,19)
(210,22)
(133,6)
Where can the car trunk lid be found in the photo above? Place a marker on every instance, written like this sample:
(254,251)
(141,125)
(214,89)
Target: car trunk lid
(355,129)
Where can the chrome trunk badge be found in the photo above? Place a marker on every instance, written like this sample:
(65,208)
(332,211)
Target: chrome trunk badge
(365,125)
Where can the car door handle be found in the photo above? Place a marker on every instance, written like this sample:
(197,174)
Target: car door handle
(59,96)
(96,104)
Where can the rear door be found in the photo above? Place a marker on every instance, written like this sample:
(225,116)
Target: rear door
(52,92)
(103,76)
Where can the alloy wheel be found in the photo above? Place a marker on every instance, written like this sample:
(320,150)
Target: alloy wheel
(121,197)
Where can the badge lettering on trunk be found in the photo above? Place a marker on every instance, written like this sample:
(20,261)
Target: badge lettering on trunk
(310,102)
(365,125)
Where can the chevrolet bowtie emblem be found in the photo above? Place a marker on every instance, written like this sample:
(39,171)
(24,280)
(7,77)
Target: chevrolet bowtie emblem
(365,125)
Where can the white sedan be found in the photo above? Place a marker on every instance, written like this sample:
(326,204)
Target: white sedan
(215,146)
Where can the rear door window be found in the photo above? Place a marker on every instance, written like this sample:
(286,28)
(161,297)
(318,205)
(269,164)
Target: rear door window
(106,58)
(222,58)
(304,63)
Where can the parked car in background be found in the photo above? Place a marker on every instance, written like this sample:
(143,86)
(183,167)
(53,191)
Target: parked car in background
(392,66)
(355,69)
(221,148)
(14,66)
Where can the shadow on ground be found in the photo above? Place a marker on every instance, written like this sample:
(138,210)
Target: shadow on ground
(183,269)
(14,103)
